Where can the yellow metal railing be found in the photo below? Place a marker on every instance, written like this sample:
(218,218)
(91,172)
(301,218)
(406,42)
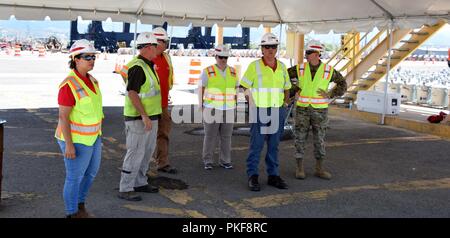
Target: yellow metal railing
(354,58)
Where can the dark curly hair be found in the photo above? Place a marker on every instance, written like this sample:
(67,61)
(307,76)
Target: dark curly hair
(72,64)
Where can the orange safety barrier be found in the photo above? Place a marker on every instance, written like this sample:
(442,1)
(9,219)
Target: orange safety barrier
(41,51)
(194,71)
(17,50)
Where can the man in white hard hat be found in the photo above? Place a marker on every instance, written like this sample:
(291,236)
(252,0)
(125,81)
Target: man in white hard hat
(268,81)
(164,69)
(142,111)
(218,96)
(313,94)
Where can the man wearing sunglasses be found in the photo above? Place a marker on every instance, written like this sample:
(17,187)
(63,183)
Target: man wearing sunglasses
(142,111)
(268,81)
(218,97)
(311,87)
(164,69)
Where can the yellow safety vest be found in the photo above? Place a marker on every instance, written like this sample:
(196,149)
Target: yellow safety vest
(308,95)
(220,93)
(87,114)
(267,86)
(149,93)
(169,62)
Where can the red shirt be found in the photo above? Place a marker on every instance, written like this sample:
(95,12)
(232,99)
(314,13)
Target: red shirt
(273,68)
(163,70)
(65,95)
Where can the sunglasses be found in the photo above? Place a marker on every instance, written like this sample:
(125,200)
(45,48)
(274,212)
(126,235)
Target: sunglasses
(222,57)
(88,57)
(163,41)
(270,46)
(143,46)
(308,52)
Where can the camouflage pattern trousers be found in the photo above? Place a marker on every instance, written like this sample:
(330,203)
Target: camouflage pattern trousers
(305,118)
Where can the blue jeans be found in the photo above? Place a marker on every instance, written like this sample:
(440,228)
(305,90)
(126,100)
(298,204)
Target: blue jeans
(257,142)
(80,173)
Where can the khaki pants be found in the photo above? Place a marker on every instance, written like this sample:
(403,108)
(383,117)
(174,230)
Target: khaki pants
(162,143)
(217,131)
(140,146)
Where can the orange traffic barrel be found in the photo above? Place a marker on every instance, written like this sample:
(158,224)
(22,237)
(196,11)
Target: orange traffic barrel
(194,71)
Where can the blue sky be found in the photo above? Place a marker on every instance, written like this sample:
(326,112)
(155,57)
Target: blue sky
(22,29)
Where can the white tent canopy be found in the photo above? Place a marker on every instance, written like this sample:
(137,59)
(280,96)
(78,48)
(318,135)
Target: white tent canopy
(300,15)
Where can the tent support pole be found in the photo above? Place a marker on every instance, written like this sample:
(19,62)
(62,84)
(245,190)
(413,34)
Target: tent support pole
(388,69)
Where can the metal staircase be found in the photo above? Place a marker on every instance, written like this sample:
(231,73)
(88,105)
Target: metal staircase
(363,68)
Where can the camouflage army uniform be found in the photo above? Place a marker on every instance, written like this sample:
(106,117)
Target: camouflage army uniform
(305,117)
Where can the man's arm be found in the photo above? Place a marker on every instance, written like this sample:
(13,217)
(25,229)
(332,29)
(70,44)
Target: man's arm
(341,85)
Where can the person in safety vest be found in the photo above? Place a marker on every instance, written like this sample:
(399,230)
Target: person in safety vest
(164,69)
(311,82)
(267,82)
(142,111)
(79,127)
(218,97)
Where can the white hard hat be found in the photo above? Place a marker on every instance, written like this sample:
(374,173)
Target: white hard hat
(269,39)
(146,38)
(222,50)
(81,47)
(160,34)
(315,46)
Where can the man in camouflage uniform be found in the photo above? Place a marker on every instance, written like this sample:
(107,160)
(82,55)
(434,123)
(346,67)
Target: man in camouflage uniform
(312,105)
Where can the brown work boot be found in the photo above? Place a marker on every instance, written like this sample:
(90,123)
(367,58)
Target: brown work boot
(300,172)
(83,212)
(76,215)
(320,172)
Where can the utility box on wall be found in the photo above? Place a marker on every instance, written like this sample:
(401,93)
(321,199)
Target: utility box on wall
(373,101)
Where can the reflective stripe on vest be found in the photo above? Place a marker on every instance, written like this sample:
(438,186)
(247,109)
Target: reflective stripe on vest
(146,95)
(219,97)
(311,100)
(85,129)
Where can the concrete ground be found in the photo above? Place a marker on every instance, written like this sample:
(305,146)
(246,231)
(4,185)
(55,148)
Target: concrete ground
(378,171)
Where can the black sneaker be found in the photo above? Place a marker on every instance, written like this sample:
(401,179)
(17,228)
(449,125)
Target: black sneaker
(129,196)
(277,182)
(226,165)
(253,183)
(146,189)
(208,166)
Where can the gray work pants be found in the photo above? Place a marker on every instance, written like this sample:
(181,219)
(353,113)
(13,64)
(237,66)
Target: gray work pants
(140,147)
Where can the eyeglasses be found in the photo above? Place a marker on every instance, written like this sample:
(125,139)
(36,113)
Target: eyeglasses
(222,57)
(270,46)
(163,41)
(88,57)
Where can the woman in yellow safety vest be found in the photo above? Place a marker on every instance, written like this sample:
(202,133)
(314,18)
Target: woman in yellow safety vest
(218,93)
(79,127)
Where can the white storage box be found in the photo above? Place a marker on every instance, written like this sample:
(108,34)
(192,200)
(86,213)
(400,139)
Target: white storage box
(373,101)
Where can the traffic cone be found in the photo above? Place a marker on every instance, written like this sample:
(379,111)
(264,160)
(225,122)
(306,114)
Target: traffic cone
(194,71)
(41,51)
(17,50)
